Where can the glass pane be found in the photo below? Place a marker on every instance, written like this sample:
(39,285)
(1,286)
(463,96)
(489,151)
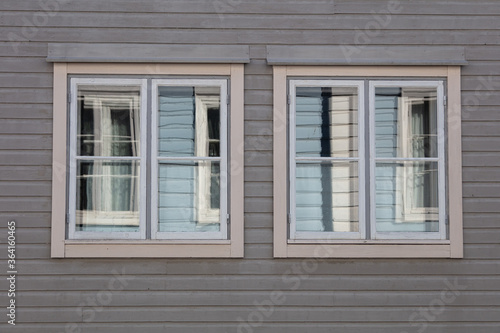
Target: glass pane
(189,196)
(108,121)
(327,121)
(107,196)
(406,122)
(407,196)
(326,196)
(189,121)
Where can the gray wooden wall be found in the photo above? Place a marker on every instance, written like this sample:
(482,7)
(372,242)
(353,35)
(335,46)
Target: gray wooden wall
(219,295)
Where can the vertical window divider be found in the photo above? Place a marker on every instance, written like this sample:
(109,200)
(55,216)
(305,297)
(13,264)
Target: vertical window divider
(441,133)
(430,83)
(359,159)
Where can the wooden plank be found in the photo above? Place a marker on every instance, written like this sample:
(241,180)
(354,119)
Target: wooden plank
(255,282)
(25,189)
(487,251)
(257,81)
(258,236)
(481,190)
(256,158)
(259,173)
(31,251)
(26,204)
(252,36)
(258,220)
(271,327)
(338,314)
(25,173)
(482,236)
(306,299)
(258,251)
(27,219)
(25,110)
(480,159)
(483,174)
(231,20)
(258,143)
(24,65)
(475,220)
(16,95)
(259,112)
(417,8)
(481,205)
(258,127)
(259,205)
(481,144)
(177,6)
(25,80)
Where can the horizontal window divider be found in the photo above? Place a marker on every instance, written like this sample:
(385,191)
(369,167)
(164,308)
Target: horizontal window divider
(369,241)
(132,158)
(402,159)
(147,242)
(188,158)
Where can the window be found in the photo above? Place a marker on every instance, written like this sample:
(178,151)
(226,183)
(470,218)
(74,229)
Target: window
(150,164)
(371,160)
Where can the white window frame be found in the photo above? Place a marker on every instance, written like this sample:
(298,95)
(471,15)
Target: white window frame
(293,84)
(439,86)
(73,158)
(62,247)
(284,247)
(155,159)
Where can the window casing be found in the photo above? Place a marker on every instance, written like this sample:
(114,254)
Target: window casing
(115,177)
(348,195)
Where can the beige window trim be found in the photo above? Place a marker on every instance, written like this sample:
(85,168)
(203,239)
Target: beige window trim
(62,248)
(285,248)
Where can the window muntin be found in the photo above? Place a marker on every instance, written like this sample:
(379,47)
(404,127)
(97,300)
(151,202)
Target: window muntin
(405,162)
(107,159)
(325,164)
(189,142)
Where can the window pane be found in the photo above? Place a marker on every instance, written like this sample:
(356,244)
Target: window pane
(327,196)
(326,121)
(406,122)
(407,196)
(189,196)
(107,198)
(189,121)
(108,121)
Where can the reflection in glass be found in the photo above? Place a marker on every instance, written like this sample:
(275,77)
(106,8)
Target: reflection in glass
(189,121)
(326,121)
(407,196)
(108,121)
(189,196)
(107,196)
(327,196)
(406,122)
